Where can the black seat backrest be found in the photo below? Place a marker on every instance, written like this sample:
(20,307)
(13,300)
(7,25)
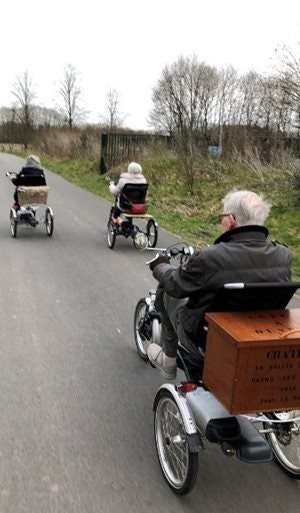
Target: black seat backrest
(253,296)
(31,176)
(133,193)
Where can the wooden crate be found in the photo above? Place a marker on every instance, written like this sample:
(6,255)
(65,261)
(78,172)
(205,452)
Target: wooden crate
(252,360)
(33,195)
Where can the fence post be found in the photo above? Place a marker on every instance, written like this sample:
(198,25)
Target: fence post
(103,154)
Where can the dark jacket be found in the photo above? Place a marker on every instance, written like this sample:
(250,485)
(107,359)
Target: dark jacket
(240,255)
(30,177)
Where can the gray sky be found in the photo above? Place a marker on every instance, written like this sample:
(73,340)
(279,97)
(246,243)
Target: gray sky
(124,44)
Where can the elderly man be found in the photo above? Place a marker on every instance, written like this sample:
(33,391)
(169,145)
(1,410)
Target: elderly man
(242,253)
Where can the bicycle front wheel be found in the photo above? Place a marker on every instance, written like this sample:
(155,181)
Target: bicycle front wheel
(142,329)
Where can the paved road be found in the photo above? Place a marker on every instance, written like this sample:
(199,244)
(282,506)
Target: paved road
(76,428)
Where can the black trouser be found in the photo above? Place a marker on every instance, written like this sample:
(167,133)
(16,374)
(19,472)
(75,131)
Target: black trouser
(116,211)
(170,309)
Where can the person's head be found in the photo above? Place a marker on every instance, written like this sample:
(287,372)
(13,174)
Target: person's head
(242,208)
(134,168)
(33,160)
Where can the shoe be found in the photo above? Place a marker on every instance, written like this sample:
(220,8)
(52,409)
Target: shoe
(166,364)
(33,222)
(117,220)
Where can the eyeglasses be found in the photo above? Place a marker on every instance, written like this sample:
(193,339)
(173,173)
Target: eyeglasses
(221,216)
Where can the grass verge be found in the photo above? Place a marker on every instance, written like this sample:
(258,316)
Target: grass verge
(193,216)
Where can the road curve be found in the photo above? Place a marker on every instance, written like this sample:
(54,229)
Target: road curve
(76,428)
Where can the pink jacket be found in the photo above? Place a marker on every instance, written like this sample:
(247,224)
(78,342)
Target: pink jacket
(124,179)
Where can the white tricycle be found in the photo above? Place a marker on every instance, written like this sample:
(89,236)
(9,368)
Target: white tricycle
(190,413)
(30,200)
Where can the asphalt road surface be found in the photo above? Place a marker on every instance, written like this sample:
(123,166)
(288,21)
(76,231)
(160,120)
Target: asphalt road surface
(76,425)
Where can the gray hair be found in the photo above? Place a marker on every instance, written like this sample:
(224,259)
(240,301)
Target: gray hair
(134,168)
(247,207)
(33,160)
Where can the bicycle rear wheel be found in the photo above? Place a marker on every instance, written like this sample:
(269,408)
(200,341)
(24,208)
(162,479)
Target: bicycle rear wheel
(178,463)
(49,222)
(111,234)
(13,224)
(152,233)
(285,441)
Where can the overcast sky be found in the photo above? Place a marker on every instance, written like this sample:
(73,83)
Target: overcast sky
(124,44)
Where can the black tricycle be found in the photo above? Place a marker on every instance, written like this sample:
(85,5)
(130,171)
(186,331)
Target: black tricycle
(132,206)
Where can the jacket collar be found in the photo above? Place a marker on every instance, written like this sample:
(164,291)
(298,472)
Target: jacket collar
(250,232)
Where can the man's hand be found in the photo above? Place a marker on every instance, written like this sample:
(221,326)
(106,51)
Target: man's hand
(159,260)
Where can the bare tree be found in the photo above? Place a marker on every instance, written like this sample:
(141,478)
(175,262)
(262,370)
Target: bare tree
(24,94)
(182,104)
(114,117)
(289,80)
(225,106)
(250,91)
(70,94)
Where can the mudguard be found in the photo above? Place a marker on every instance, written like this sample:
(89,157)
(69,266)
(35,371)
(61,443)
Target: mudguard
(193,437)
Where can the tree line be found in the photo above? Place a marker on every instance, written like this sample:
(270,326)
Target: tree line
(198,105)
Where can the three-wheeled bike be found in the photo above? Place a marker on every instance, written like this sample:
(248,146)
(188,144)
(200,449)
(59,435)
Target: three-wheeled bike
(27,212)
(132,207)
(247,400)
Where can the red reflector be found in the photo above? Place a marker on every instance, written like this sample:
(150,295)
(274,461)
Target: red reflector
(187,386)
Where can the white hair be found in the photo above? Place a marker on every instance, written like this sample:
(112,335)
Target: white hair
(247,207)
(134,168)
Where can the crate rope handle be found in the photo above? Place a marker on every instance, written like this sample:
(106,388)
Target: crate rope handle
(288,333)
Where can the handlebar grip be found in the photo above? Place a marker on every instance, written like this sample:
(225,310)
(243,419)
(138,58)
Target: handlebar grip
(153,259)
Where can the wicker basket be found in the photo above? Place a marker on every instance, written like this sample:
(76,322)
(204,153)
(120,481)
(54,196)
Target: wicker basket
(33,195)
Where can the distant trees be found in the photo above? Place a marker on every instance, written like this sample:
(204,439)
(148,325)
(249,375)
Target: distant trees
(70,94)
(24,94)
(200,105)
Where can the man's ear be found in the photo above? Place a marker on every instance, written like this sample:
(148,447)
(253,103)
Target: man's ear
(232,222)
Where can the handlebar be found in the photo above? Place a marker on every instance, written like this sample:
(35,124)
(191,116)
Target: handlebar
(172,252)
(10,174)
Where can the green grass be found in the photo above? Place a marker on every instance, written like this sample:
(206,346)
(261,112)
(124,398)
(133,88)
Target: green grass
(193,216)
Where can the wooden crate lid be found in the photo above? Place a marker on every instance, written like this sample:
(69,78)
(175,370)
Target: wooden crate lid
(258,325)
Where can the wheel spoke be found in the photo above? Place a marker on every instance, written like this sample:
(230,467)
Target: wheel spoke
(178,464)
(285,442)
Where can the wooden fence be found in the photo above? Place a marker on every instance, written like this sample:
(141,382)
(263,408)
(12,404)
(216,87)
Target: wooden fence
(118,148)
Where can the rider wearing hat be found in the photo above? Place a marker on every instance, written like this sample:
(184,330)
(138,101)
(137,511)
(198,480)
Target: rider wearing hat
(31,175)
